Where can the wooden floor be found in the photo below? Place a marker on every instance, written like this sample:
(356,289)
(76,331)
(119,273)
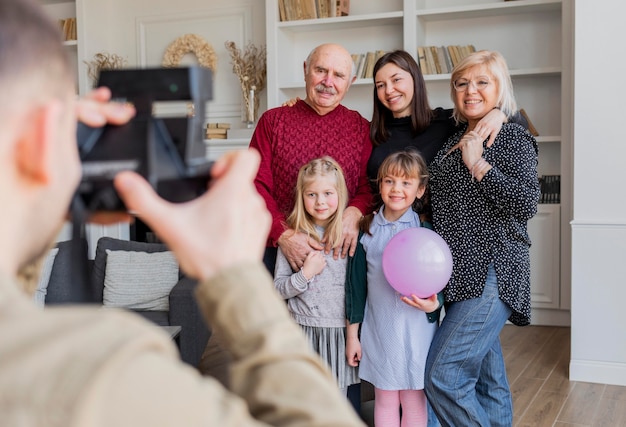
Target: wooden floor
(537,360)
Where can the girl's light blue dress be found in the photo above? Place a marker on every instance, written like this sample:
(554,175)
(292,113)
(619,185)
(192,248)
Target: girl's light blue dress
(395,337)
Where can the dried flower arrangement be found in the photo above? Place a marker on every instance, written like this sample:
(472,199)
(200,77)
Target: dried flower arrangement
(250,67)
(103,61)
(190,43)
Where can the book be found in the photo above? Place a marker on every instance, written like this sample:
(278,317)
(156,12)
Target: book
(281,10)
(343,8)
(69,29)
(437,67)
(324,8)
(446,58)
(361,66)
(430,61)
(216,125)
(216,133)
(309,9)
(550,187)
(421,59)
(370,60)
(531,128)
(452,54)
(441,60)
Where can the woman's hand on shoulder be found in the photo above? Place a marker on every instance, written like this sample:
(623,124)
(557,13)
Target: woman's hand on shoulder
(490,125)
(291,102)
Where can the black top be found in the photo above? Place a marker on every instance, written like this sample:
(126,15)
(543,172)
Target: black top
(485,222)
(428,142)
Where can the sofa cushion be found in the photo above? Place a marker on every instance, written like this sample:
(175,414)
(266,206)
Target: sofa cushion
(139,280)
(69,281)
(100,261)
(39,297)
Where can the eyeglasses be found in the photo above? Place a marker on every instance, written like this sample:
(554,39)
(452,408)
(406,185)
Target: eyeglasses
(461,85)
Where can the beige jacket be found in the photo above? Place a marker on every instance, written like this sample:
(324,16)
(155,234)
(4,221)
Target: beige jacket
(88,366)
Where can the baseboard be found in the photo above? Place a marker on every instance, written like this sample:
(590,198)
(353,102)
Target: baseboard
(550,317)
(593,371)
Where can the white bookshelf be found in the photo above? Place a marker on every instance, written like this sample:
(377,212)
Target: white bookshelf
(535,37)
(63,9)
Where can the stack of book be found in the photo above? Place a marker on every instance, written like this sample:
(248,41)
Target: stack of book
(364,63)
(441,59)
(292,10)
(68,28)
(217,130)
(550,186)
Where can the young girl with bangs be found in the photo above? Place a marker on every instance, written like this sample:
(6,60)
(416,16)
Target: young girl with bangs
(396,330)
(316,293)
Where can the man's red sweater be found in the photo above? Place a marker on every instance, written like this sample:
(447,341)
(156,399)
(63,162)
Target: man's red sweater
(289,137)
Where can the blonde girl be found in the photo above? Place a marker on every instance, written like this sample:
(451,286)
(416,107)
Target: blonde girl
(315,294)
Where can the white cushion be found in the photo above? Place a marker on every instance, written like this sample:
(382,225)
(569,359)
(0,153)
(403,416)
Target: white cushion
(39,297)
(139,280)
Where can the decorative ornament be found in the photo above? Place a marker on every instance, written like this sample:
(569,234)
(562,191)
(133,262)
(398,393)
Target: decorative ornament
(250,67)
(103,61)
(190,43)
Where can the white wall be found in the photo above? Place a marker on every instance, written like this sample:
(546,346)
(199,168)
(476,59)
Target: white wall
(141,31)
(599,227)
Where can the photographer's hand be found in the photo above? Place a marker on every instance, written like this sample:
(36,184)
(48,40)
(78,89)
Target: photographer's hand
(95,109)
(224,227)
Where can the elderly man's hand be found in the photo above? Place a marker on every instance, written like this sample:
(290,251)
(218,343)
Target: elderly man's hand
(351,219)
(296,246)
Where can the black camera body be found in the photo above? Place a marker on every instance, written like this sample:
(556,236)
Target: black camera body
(168,151)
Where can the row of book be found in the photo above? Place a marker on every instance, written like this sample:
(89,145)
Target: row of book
(68,28)
(364,63)
(550,186)
(441,59)
(292,10)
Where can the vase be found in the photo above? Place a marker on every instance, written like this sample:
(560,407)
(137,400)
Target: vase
(250,108)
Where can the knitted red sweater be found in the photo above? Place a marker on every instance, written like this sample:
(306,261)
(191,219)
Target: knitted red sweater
(289,137)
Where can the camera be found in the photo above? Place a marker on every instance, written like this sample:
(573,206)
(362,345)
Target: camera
(167,149)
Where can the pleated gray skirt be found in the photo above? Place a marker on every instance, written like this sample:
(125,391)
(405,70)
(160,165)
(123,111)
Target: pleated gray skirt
(330,344)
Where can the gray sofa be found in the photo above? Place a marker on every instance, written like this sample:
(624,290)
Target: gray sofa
(64,287)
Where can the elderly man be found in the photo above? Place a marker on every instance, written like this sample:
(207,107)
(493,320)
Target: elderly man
(84,366)
(288,137)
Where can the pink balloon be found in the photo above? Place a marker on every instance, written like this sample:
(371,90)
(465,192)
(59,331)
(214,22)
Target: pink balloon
(417,261)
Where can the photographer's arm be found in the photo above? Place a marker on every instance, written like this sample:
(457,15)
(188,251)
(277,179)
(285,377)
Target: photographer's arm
(219,239)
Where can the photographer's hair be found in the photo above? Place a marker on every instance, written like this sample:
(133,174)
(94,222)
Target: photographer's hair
(299,219)
(421,113)
(34,64)
(408,163)
(495,63)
